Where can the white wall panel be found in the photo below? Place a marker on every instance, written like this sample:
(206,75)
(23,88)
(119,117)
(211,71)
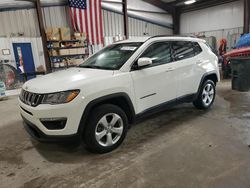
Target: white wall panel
(224,16)
(142,28)
(25,21)
(112,24)
(19,21)
(56,16)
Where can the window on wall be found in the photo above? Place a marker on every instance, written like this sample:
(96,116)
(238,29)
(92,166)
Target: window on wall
(159,52)
(185,49)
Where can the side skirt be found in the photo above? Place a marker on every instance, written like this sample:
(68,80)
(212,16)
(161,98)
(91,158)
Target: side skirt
(164,106)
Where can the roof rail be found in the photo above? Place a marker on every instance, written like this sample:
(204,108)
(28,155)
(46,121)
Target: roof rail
(191,35)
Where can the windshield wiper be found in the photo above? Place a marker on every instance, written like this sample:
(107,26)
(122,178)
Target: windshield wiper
(91,66)
(95,67)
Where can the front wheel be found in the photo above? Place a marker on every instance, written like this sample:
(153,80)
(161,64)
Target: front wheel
(106,128)
(206,95)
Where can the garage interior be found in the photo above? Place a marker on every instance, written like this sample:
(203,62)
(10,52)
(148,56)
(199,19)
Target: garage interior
(179,147)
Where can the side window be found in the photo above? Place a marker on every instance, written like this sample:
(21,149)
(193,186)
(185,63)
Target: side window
(183,50)
(197,48)
(159,52)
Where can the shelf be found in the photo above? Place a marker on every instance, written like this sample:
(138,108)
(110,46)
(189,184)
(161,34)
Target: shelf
(64,56)
(53,41)
(72,47)
(64,67)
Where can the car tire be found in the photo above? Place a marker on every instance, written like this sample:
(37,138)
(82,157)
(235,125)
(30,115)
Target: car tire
(206,95)
(106,128)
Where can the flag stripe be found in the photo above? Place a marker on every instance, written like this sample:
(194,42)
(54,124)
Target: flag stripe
(86,16)
(91,19)
(83,22)
(71,18)
(89,22)
(75,20)
(100,20)
(86,24)
(96,24)
(80,19)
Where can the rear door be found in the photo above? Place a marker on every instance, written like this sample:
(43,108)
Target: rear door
(188,72)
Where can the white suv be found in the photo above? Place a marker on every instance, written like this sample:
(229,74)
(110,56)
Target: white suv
(126,80)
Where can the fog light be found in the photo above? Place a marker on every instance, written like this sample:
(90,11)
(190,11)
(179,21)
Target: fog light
(54,123)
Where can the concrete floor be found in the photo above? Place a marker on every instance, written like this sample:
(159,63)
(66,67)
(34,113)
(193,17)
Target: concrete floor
(182,147)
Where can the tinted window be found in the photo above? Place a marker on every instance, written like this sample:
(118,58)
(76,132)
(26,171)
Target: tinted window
(197,48)
(185,49)
(159,52)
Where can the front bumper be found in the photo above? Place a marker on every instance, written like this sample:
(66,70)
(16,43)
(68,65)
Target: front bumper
(33,117)
(38,135)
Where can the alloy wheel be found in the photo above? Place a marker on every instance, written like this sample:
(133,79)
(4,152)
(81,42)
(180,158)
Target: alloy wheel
(109,129)
(208,94)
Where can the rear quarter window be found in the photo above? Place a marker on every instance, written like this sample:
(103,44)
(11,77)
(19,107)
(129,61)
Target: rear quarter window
(185,49)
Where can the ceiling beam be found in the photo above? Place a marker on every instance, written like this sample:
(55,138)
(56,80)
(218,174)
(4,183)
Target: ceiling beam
(204,4)
(162,5)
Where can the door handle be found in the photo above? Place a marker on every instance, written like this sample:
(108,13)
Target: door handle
(170,69)
(199,62)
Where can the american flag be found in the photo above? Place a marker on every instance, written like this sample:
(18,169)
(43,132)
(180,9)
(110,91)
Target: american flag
(86,16)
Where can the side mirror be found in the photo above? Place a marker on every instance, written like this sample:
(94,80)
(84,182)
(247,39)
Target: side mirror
(144,61)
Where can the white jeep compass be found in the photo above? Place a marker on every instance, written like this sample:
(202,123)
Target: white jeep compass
(126,80)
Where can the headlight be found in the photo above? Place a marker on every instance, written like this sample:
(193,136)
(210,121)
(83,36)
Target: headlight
(60,97)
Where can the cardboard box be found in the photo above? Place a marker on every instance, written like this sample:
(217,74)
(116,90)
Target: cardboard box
(64,52)
(75,61)
(65,33)
(80,36)
(84,36)
(40,68)
(56,44)
(55,34)
(81,51)
(78,61)
(73,51)
(48,32)
(53,53)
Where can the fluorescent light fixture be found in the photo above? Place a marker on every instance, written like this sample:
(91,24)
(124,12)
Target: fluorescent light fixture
(189,2)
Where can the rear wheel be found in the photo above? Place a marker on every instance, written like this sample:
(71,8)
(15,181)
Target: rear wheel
(206,96)
(106,128)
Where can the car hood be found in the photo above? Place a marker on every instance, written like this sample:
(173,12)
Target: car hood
(73,78)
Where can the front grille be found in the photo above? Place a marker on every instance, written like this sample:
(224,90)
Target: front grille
(31,99)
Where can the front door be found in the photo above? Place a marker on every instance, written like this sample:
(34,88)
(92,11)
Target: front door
(24,58)
(155,84)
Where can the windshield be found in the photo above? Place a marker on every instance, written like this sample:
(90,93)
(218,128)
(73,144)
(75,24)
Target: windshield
(111,57)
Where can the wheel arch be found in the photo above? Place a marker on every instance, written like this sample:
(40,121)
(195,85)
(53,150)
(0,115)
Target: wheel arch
(208,76)
(121,100)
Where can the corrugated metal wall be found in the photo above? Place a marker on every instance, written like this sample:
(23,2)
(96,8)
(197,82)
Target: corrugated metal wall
(225,16)
(224,21)
(142,28)
(25,21)
(113,26)
(56,16)
(19,21)
(232,35)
